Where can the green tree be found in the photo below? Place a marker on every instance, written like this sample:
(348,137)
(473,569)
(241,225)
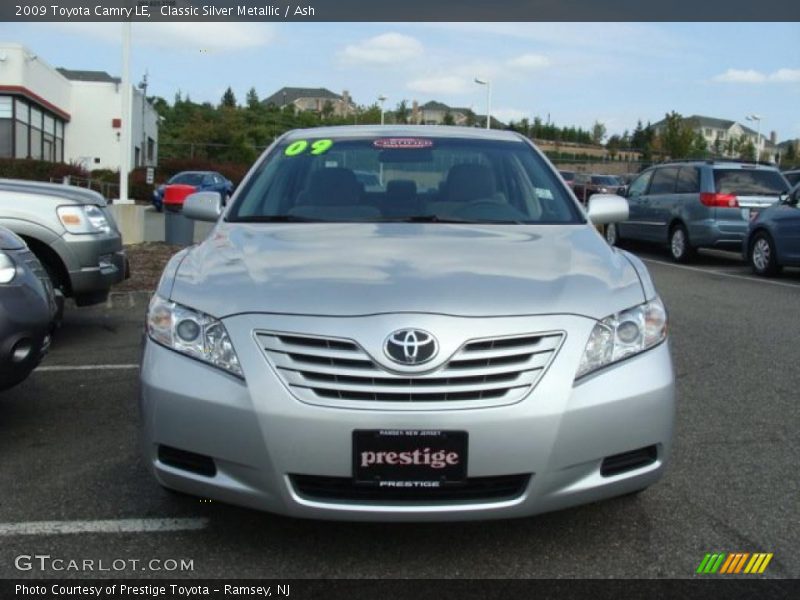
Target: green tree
(677,136)
(252,99)
(448,118)
(699,147)
(327,110)
(228,99)
(401,113)
(613,145)
(598,132)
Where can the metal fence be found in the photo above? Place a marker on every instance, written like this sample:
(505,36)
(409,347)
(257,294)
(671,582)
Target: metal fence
(109,190)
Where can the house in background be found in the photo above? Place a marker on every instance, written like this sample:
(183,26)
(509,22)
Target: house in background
(435,113)
(67,115)
(718,132)
(313,99)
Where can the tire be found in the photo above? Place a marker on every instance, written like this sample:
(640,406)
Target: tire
(612,234)
(680,248)
(762,255)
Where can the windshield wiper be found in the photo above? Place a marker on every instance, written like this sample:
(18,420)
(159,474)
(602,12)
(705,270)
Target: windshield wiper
(438,219)
(278,219)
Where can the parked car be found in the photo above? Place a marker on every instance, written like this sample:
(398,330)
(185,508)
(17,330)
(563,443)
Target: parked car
(697,204)
(793,176)
(474,350)
(27,310)
(773,238)
(203,181)
(568,177)
(71,232)
(585,185)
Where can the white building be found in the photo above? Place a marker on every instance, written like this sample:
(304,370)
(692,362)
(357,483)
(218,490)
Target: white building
(719,132)
(70,116)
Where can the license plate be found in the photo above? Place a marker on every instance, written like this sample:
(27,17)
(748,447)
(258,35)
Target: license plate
(407,458)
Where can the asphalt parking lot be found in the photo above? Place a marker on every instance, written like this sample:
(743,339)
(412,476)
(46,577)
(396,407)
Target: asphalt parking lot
(68,453)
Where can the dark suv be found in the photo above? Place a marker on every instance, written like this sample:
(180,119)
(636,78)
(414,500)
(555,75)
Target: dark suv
(697,204)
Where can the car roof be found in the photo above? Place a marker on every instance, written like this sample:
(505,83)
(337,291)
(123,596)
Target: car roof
(718,163)
(431,131)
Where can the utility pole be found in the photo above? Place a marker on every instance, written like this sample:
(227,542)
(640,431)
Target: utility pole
(125,102)
(143,86)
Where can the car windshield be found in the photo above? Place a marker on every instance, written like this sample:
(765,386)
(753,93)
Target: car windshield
(418,179)
(604,180)
(188,178)
(753,182)
(568,175)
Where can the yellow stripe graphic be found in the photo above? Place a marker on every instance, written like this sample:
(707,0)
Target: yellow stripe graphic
(752,564)
(765,563)
(741,562)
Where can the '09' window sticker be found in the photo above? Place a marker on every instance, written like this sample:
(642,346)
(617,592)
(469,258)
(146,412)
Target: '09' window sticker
(314,148)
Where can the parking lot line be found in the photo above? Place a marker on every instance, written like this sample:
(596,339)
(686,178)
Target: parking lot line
(111,526)
(86,367)
(722,273)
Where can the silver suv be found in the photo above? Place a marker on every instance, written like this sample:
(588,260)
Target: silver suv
(697,204)
(456,341)
(71,232)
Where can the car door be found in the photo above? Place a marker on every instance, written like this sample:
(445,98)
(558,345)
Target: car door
(633,228)
(661,202)
(787,229)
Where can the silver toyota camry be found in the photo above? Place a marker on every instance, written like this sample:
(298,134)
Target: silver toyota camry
(406,323)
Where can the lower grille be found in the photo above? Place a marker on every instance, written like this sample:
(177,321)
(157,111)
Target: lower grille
(188,461)
(628,461)
(475,489)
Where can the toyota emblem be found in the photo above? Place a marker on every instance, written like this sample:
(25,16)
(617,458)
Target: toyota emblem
(410,346)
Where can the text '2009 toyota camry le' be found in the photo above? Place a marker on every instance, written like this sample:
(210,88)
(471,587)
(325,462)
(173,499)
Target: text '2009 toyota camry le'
(449,338)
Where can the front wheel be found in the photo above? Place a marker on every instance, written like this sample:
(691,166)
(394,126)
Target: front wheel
(762,256)
(679,246)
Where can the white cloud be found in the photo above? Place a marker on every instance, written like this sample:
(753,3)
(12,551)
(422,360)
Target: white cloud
(753,76)
(529,61)
(447,84)
(200,37)
(384,49)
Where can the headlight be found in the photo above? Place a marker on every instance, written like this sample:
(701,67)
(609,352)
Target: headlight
(85,218)
(624,334)
(192,333)
(8,270)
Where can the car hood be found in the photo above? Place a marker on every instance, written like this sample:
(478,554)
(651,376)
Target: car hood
(366,268)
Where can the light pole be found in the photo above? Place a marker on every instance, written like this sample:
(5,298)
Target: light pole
(382,99)
(757,119)
(488,85)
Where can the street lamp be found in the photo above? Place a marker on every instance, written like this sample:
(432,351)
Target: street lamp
(757,119)
(488,85)
(382,99)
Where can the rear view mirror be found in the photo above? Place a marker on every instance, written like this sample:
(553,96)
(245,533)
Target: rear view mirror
(607,208)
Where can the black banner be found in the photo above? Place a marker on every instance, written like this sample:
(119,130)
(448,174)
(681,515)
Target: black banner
(386,589)
(407,10)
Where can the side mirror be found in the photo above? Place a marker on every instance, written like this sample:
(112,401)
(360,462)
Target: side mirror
(607,208)
(203,206)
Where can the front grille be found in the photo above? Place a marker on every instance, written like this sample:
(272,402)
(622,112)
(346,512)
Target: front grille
(474,489)
(338,371)
(187,461)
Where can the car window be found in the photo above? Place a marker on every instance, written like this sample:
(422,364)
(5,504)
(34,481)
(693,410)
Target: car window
(664,181)
(688,181)
(187,178)
(604,180)
(792,177)
(458,179)
(742,182)
(639,184)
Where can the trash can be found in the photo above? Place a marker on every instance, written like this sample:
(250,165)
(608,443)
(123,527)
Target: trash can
(178,230)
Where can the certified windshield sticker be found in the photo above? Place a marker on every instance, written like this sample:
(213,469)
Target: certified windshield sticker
(402,143)
(314,148)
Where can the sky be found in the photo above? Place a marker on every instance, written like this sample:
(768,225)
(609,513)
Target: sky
(571,73)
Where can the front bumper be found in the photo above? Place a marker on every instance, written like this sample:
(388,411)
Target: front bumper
(259,435)
(94,264)
(25,322)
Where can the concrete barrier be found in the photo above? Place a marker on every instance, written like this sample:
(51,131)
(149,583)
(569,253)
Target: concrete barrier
(139,224)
